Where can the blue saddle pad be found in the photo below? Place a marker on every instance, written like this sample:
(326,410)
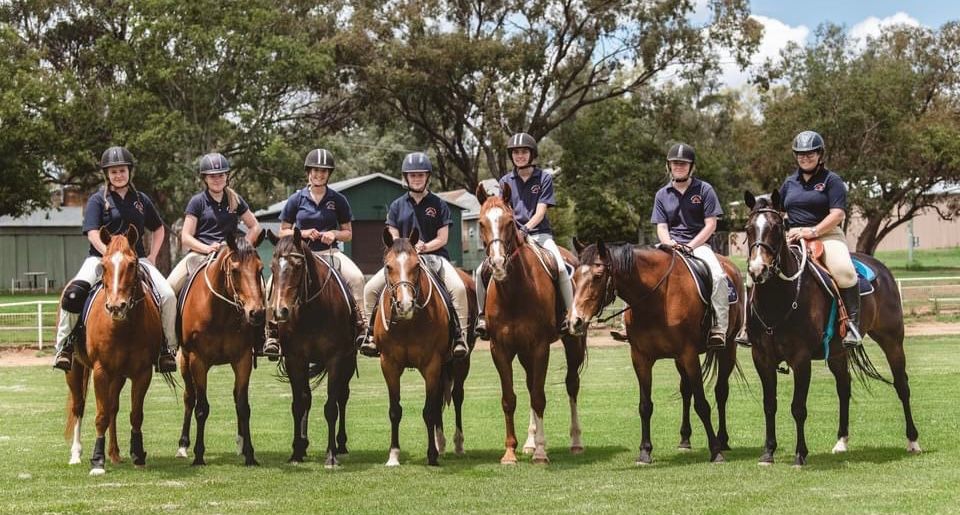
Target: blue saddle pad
(865,277)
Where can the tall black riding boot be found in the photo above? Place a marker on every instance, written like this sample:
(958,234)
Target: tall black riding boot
(365,341)
(851,299)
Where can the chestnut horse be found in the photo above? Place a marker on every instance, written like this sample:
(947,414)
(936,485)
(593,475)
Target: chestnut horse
(311,307)
(222,323)
(123,339)
(522,320)
(789,317)
(666,320)
(412,330)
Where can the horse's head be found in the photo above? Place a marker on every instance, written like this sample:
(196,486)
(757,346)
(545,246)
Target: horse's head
(292,272)
(593,285)
(766,235)
(243,274)
(401,268)
(121,274)
(498,230)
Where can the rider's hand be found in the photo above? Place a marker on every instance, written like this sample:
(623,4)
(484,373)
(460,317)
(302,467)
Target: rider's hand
(328,237)
(310,234)
(421,247)
(214,247)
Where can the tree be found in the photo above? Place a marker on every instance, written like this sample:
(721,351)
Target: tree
(888,114)
(466,75)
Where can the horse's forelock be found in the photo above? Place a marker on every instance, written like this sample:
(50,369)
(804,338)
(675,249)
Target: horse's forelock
(495,201)
(619,256)
(763,202)
(119,243)
(245,250)
(399,245)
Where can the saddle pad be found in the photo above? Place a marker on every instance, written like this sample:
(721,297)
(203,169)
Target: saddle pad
(701,277)
(864,271)
(865,285)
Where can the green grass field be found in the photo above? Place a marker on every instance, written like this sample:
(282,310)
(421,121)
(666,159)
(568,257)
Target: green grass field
(877,475)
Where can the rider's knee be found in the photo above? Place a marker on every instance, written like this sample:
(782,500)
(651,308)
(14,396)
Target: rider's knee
(74,296)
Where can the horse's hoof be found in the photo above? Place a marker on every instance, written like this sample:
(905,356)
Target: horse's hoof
(433,463)
(509,457)
(577,449)
(541,460)
(295,461)
(799,462)
(684,446)
(394,459)
(644,458)
(718,459)
(198,462)
(341,451)
(331,465)
(182,452)
(116,460)
(74,460)
(725,447)
(139,466)
(841,445)
(98,471)
(529,450)
(251,462)
(914,447)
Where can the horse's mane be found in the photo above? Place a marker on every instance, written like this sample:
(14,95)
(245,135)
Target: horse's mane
(496,201)
(763,202)
(119,243)
(244,249)
(620,255)
(400,245)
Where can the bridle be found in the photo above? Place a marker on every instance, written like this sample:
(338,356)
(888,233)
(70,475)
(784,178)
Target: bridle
(514,253)
(775,266)
(610,291)
(414,285)
(228,279)
(304,288)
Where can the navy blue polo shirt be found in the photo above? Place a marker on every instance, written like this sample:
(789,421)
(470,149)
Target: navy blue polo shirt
(326,215)
(525,195)
(214,219)
(807,203)
(429,216)
(130,209)
(685,213)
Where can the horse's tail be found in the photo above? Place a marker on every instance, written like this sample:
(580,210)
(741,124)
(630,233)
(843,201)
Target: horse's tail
(860,364)
(71,416)
(710,367)
(447,385)
(171,381)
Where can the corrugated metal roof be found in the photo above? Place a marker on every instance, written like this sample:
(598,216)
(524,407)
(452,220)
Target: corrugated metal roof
(62,217)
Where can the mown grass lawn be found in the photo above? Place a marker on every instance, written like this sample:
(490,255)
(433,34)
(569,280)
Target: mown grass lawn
(877,475)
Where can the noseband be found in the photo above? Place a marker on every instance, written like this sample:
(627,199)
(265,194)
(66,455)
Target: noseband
(304,288)
(775,266)
(414,285)
(228,278)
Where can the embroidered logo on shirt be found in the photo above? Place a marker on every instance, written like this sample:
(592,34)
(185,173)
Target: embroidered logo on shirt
(331,205)
(139,206)
(535,189)
(431,212)
(820,186)
(696,199)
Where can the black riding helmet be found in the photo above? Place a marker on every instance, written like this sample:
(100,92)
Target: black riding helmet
(682,152)
(416,162)
(808,141)
(116,156)
(214,163)
(523,140)
(319,158)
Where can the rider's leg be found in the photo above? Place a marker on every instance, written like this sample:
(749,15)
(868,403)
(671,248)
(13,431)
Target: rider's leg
(180,273)
(458,293)
(168,318)
(354,278)
(718,298)
(71,304)
(371,295)
(836,256)
(566,287)
(481,327)
(271,341)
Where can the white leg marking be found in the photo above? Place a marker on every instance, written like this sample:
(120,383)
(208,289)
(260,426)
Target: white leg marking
(97,472)
(441,440)
(394,459)
(76,448)
(182,452)
(540,453)
(458,442)
(531,445)
(841,445)
(576,444)
(239,445)
(913,447)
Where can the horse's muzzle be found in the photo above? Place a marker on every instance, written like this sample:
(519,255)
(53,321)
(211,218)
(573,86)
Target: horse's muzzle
(256,316)
(282,314)
(118,311)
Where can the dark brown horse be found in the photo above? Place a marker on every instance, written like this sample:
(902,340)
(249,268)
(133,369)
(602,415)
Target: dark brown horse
(522,320)
(412,331)
(312,309)
(123,339)
(222,322)
(666,320)
(789,315)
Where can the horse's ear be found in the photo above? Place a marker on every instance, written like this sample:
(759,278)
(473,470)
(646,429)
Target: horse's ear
(775,200)
(105,235)
(296,237)
(481,193)
(260,236)
(272,236)
(578,245)
(132,235)
(231,240)
(602,250)
(414,236)
(387,237)
(749,199)
(505,194)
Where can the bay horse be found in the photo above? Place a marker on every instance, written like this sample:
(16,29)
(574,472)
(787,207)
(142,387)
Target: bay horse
(311,306)
(666,320)
(412,330)
(222,323)
(788,320)
(123,339)
(522,320)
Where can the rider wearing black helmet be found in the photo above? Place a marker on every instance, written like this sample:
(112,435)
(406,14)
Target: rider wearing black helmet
(815,200)
(113,208)
(686,212)
(324,218)
(421,209)
(209,215)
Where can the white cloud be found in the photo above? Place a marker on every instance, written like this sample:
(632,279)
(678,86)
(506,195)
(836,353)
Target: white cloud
(871,27)
(776,36)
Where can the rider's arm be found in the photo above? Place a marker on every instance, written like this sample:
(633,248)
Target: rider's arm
(709,226)
(253,226)
(158,235)
(93,235)
(663,234)
(834,218)
(345,233)
(537,217)
(393,231)
(187,238)
(439,242)
(286,229)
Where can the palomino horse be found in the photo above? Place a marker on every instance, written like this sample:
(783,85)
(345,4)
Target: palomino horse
(123,339)
(222,322)
(412,330)
(521,311)
(789,316)
(311,306)
(666,320)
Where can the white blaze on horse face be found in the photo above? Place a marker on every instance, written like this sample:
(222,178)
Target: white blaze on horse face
(273,282)
(756,256)
(406,300)
(496,251)
(116,259)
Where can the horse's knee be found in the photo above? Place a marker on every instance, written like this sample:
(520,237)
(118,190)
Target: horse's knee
(799,411)
(509,402)
(396,413)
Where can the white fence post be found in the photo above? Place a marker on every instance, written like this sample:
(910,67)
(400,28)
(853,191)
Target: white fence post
(39,326)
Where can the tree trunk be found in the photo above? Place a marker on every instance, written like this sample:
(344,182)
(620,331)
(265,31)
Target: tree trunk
(867,241)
